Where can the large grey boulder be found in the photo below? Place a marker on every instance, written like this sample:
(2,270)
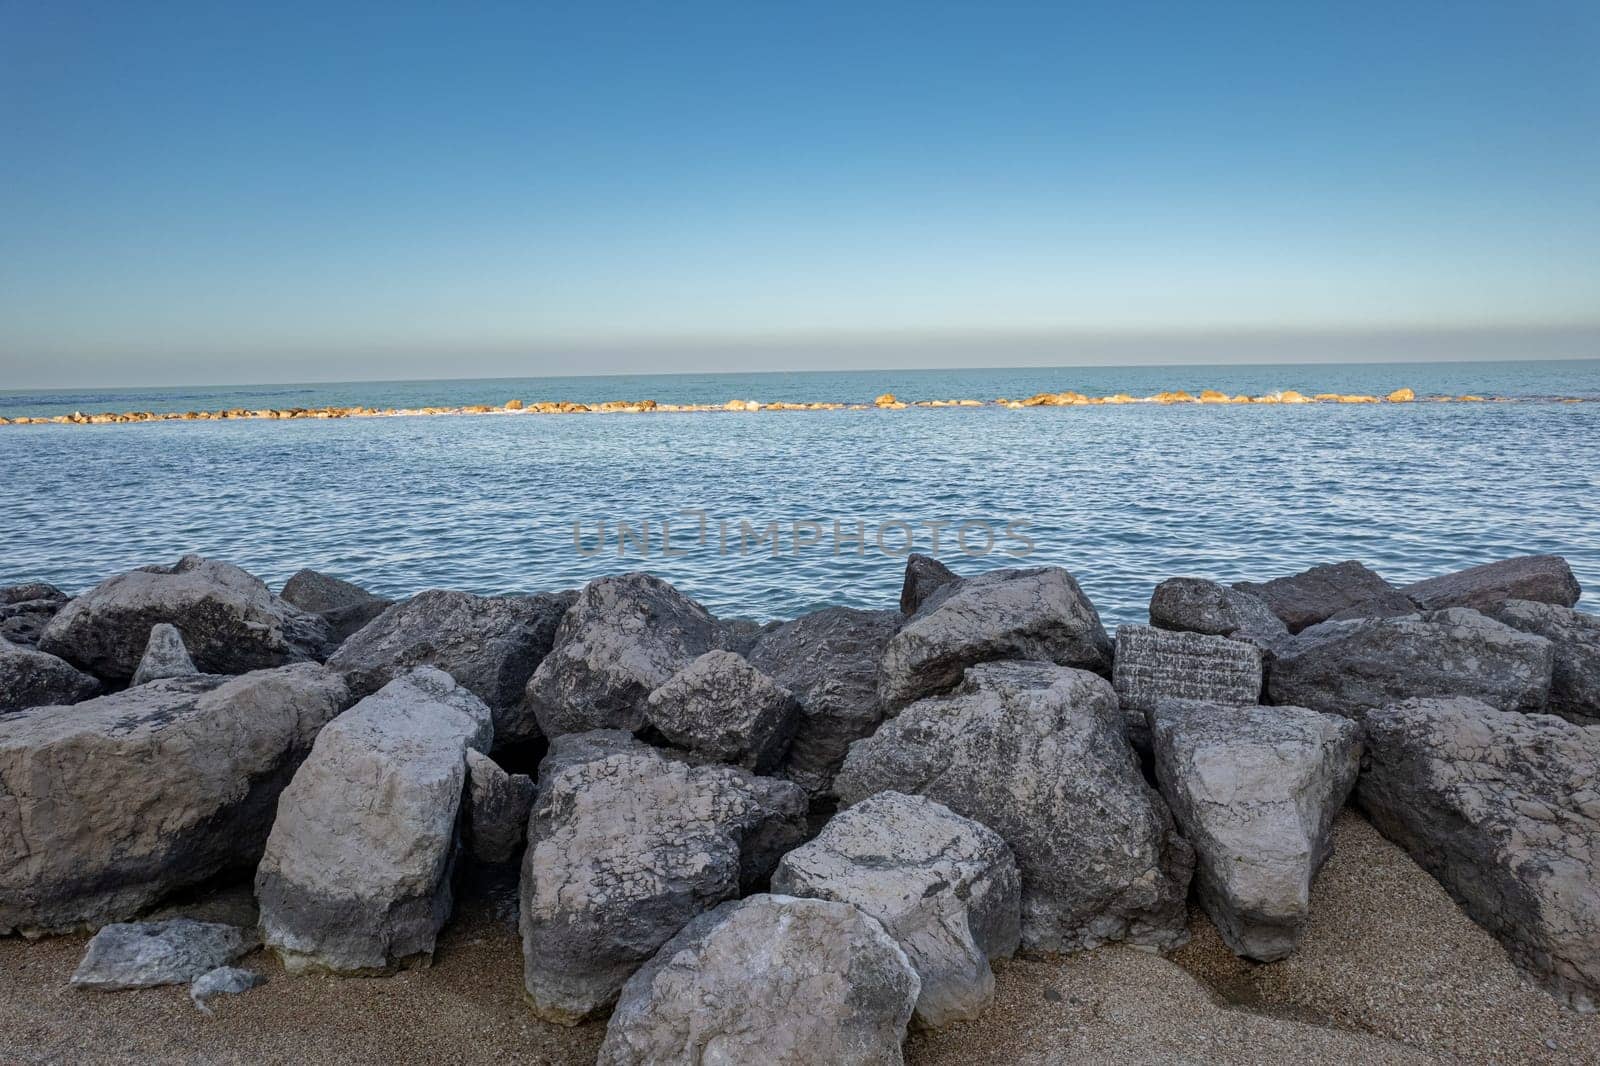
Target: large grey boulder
(147,954)
(622,639)
(356,874)
(1347,590)
(344,606)
(489,644)
(925,575)
(111,804)
(773,980)
(1575,640)
(164,656)
(1039,754)
(945,887)
(723,708)
(1195,605)
(1255,790)
(32,678)
(230,621)
(829,660)
(1540,578)
(627,844)
(497,820)
(1346,667)
(1502,808)
(1154,665)
(26,609)
(1039,614)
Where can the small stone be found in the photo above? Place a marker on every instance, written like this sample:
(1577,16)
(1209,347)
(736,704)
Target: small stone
(164,656)
(223,981)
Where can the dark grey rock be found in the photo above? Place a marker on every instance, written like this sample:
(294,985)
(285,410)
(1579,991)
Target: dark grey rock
(1540,578)
(147,954)
(1575,639)
(164,656)
(497,821)
(1317,594)
(925,575)
(25,610)
(725,709)
(1153,665)
(32,678)
(739,635)
(1195,605)
(345,607)
(223,981)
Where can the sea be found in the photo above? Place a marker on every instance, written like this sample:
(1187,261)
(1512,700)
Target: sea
(770,514)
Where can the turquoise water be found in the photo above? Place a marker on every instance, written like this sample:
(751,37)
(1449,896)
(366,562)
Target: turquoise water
(1122,496)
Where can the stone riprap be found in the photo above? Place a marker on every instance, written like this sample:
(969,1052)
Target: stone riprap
(1331,590)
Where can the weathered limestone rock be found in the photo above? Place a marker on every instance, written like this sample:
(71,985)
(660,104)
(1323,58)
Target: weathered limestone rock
(1503,809)
(1540,578)
(772,980)
(1039,754)
(223,981)
(1317,594)
(1038,614)
(231,623)
(32,678)
(356,874)
(829,660)
(164,656)
(111,804)
(147,954)
(625,845)
(1195,605)
(497,821)
(345,607)
(945,887)
(1255,790)
(1153,665)
(925,575)
(1346,667)
(723,708)
(489,644)
(1575,640)
(26,609)
(623,638)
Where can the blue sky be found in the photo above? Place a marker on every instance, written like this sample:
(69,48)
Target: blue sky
(227,192)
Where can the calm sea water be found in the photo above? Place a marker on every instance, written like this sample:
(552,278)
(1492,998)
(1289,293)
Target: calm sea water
(1122,496)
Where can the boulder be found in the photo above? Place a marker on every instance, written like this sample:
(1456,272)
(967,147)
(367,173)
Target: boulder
(230,621)
(622,639)
(1255,791)
(1195,605)
(626,844)
(1346,667)
(32,678)
(489,644)
(1317,594)
(111,804)
(345,607)
(739,635)
(829,660)
(925,575)
(723,708)
(1575,643)
(1153,665)
(164,656)
(497,820)
(945,887)
(1038,614)
(1540,578)
(1039,754)
(26,609)
(1503,809)
(223,981)
(147,954)
(772,980)
(356,874)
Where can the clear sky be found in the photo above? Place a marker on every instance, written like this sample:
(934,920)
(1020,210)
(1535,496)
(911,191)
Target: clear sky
(222,192)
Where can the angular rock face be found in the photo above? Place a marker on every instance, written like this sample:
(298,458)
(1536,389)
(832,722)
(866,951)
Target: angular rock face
(1575,640)
(1255,790)
(622,639)
(79,842)
(829,660)
(1540,578)
(1195,605)
(625,846)
(925,575)
(1038,753)
(945,887)
(1346,667)
(1502,809)
(1037,614)
(1153,665)
(489,644)
(148,954)
(164,656)
(1317,594)
(32,678)
(231,623)
(497,822)
(723,708)
(26,609)
(345,607)
(772,980)
(358,879)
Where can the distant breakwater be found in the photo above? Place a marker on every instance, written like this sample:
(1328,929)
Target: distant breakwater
(886,401)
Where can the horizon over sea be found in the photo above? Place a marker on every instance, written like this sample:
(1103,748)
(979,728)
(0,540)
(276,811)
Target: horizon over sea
(1122,496)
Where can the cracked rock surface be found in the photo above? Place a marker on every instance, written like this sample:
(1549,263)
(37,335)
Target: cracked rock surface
(129,955)
(1575,640)
(1153,665)
(32,678)
(723,708)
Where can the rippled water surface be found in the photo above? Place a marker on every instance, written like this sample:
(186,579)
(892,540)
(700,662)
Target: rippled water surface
(1123,496)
